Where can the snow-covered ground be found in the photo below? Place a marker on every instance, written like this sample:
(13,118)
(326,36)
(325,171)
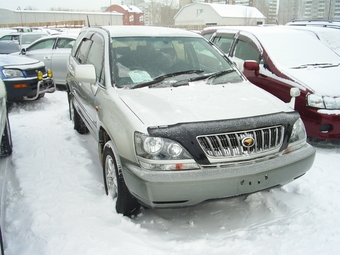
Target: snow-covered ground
(56,202)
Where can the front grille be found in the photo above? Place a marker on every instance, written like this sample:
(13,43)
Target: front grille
(34,72)
(255,142)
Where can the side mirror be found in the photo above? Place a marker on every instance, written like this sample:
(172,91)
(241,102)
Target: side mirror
(251,65)
(85,73)
(23,51)
(294,92)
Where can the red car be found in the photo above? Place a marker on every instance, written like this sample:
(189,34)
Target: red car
(277,59)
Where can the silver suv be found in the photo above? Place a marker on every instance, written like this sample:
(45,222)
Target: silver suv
(176,123)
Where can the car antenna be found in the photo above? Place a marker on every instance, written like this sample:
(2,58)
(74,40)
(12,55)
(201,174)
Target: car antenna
(88,21)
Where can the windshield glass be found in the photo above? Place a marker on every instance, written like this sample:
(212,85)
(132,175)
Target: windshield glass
(167,61)
(290,50)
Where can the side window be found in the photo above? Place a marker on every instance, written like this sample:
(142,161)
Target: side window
(82,52)
(224,42)
(6,38)
(46,44)
(65,43)
(96,56)
(246,50)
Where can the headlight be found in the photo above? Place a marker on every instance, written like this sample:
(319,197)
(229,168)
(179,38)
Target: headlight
(298,136)
(157,153)
(12,73)
(323,102)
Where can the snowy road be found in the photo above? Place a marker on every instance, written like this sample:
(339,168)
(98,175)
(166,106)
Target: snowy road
(56,202)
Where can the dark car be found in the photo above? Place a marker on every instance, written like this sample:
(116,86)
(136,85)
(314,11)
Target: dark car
(280,58)
(25,78)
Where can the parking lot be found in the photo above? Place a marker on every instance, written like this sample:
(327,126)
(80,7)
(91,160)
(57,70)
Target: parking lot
(56,204)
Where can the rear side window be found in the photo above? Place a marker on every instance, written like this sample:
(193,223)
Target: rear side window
(63,43)
(246,49)
(224,42)
(46,44)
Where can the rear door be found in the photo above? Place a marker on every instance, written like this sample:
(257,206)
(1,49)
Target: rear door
(59,56)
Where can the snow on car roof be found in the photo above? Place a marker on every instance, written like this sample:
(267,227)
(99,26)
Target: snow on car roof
(327,35)
(289,47)
(126,31)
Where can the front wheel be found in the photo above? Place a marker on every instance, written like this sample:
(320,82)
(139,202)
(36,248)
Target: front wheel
(115,185)
(6,141)
(78,123)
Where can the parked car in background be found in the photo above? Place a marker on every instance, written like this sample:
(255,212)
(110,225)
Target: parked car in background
(280,58)
(315,23)
(22,29)
(5,130)
(54,51)
(25,78)
(8,47)
(11,37)
(175,122)
(329,36)
(26,39)
(23,39)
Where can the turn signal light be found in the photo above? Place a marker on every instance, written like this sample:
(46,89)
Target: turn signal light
(20,86)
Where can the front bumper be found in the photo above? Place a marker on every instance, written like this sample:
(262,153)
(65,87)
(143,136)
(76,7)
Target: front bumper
(28,89)
(322,124)
(187,188)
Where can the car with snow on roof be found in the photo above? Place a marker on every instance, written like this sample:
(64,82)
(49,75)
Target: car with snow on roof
(175,122)
(278,58)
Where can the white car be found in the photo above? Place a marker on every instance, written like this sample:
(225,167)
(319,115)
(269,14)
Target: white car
(5,131)
(54,51)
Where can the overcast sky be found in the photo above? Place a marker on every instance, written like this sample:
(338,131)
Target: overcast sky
(46,5)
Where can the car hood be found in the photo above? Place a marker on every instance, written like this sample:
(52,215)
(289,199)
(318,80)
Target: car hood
(322,81)
(8,61)
(200,102)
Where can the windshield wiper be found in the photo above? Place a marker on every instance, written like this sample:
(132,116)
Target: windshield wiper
(220,73)
(319,65)
(209,76)
(164,76)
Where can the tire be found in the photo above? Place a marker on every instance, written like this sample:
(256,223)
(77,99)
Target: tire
(115,185)
(6,141)
(78,123)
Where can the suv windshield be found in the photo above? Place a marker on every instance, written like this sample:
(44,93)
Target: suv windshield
(167,61)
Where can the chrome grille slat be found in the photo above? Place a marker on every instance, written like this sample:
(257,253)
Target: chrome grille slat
(231,145)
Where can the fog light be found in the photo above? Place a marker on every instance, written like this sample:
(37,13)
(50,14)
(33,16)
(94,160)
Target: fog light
(40,75)
(325,128)
(49,73)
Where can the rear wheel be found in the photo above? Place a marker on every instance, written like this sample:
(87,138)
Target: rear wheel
(6,141)
(115,185)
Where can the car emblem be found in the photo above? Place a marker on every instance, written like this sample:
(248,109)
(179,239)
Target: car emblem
(248,142)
